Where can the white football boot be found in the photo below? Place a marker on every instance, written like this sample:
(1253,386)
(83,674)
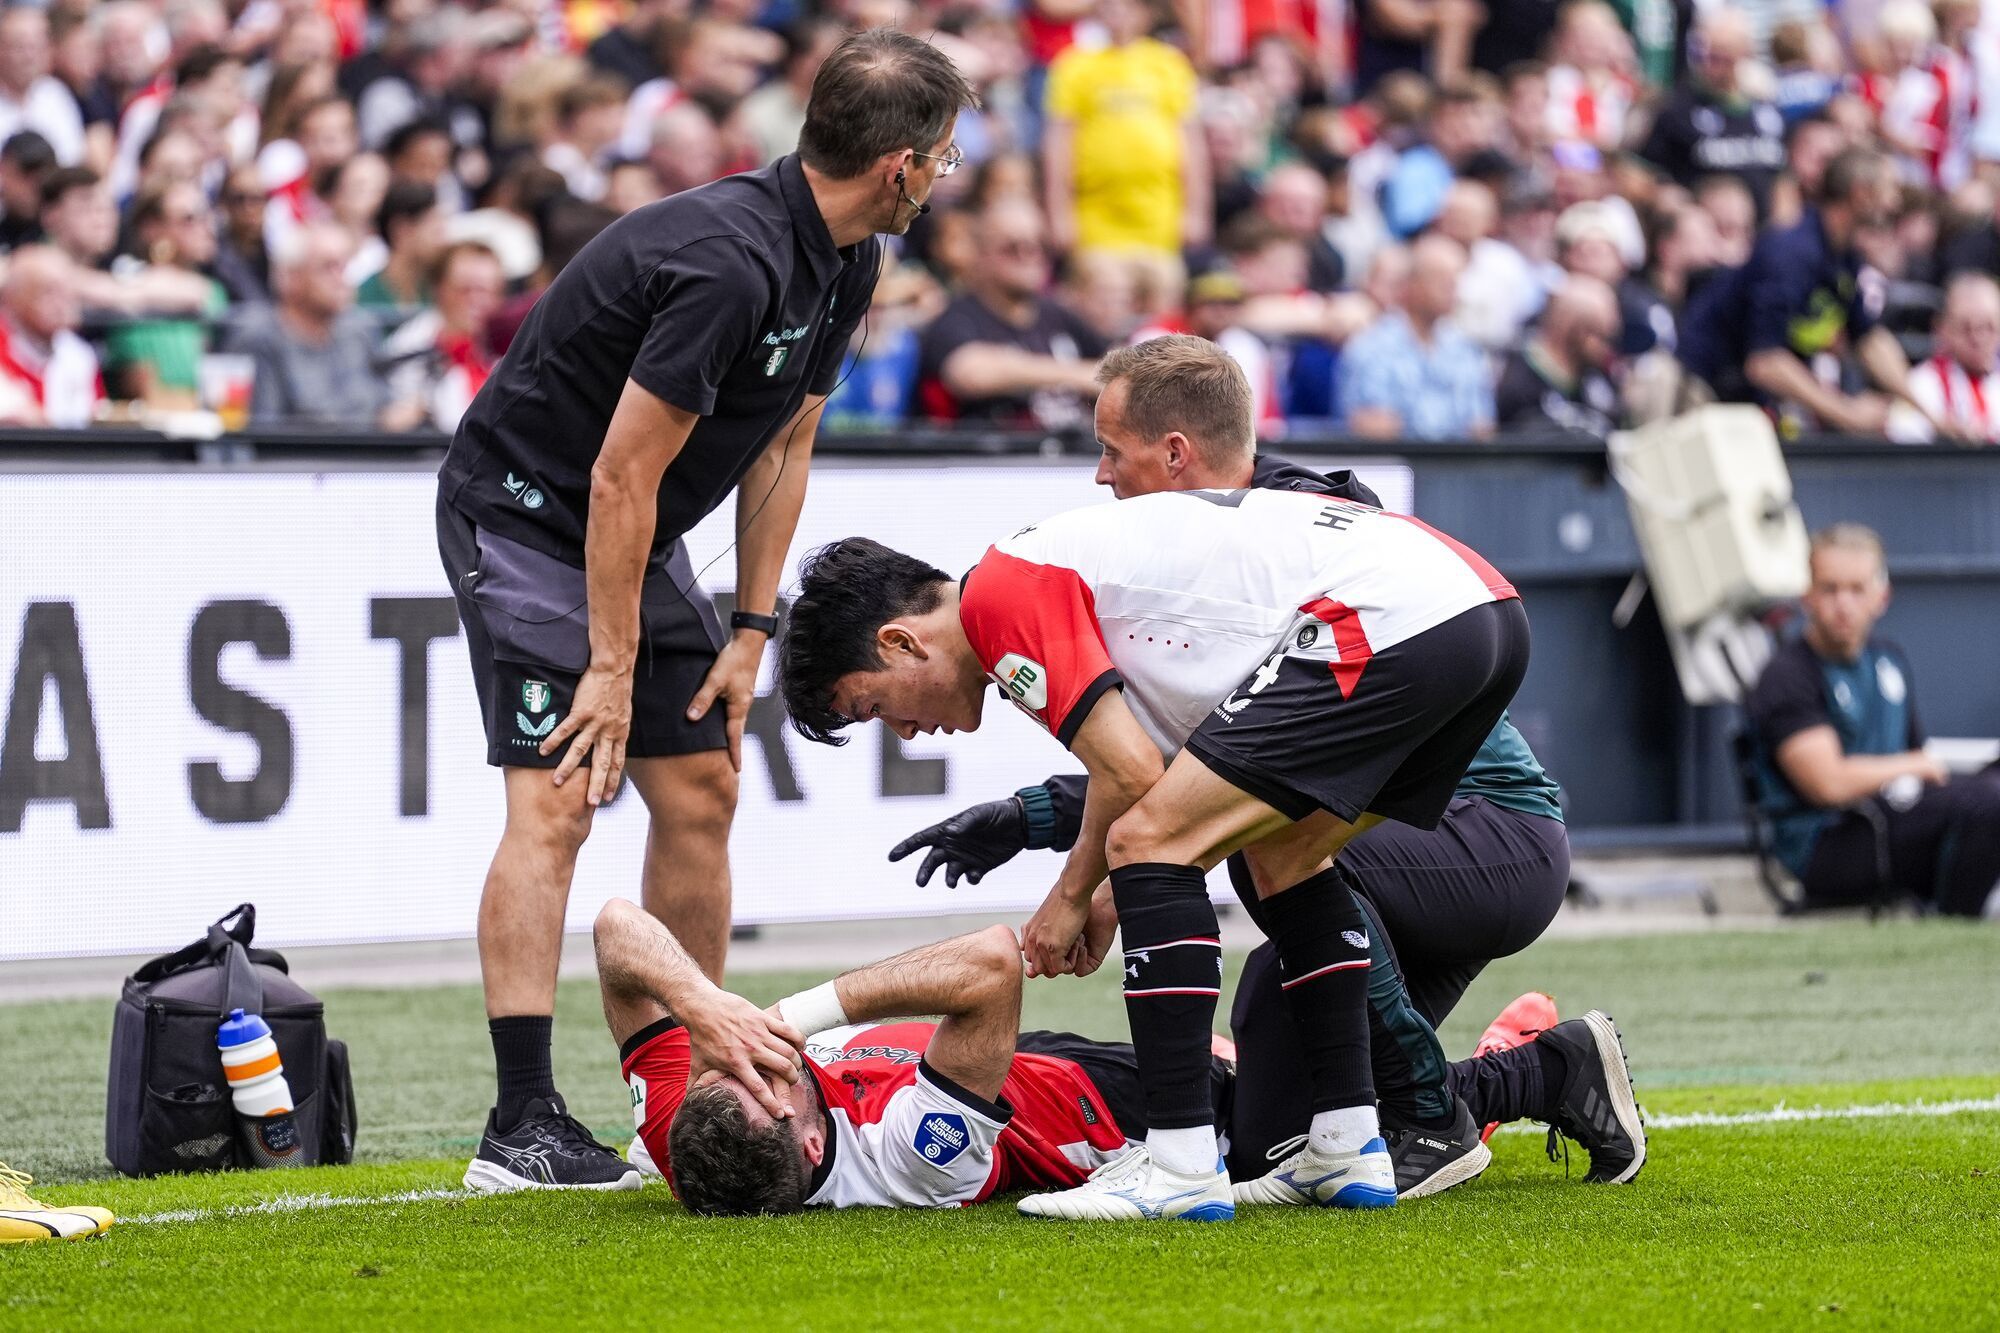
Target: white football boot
(1363,1179)
(1132,1187)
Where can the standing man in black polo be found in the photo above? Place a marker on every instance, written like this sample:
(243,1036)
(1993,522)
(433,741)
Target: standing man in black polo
(687,352)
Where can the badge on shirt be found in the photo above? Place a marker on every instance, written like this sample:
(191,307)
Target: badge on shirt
(941,1137)
(776,361)
(1026,681)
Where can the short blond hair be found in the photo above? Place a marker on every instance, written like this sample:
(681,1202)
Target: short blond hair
(1183,383)
(1851,537)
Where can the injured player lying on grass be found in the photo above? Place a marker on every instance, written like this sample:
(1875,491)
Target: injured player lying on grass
(886,1111)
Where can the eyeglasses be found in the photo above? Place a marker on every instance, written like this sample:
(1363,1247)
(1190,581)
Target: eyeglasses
(951,159)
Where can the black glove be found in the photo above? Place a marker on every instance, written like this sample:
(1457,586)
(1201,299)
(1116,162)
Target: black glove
(970,843)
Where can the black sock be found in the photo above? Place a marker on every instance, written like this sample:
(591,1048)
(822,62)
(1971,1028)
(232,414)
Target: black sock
(1322,940)
(1555,1073)
(521,1057)
(1173,976)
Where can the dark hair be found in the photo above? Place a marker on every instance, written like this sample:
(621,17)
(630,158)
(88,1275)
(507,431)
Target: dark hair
(847,590)
(28,152)
(725,1167)
(399,142)
(1848,169)
(403,201)
(880,91)
(64,179)
(197,65)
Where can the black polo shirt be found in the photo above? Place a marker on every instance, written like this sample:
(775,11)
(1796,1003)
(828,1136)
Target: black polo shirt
(728,301)
(1699,133)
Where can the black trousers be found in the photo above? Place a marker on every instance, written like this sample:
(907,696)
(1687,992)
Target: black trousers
(1945,849)
(1442,904)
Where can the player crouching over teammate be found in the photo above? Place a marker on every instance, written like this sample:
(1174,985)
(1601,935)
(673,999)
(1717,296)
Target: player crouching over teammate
(1263,671)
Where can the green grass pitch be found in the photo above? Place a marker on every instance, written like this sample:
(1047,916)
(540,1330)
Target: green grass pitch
(1888,1220)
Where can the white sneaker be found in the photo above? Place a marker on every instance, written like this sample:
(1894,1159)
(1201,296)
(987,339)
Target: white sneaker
(638,1155)
(1364,1179)
(1134,1188)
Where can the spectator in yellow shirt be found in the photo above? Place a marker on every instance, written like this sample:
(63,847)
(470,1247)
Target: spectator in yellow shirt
(1123,157)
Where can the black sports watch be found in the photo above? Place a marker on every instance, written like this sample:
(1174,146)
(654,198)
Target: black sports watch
(765,625)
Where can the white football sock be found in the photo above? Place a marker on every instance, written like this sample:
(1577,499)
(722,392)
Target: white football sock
(1344,1130)
(1187,1152)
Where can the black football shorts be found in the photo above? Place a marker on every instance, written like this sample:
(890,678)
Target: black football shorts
(1308,732)
(526,624)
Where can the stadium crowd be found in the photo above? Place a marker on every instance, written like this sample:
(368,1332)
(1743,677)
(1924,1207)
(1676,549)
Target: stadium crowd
(1407,218)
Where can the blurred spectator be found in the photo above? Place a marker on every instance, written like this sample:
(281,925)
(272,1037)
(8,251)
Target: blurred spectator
(422,151)
(1587,237)
(1593,75)
(1835,718)
(313,352)
(422,83)
(242,265)
(630,50)
(1500,291)
(437,361)
(48,375)
(1733,210)
(31,98)
(1711,126)
(589,117)
(157,359)
(686,148)
(1928,116)
(324,139)
(567,225)
(1293,200)
(76,58)
(774,113)
(78,216)
(1214,310)
(206,98)
(1123,159)
(630,184)
(1102,293)
(1413,35)
(1774,331)
(354,191)
(26,161)
(1810,143)
(412,228)
(1002,352)
(1463,129)
(1558,380)
(1961,382)
(1808,67)
(1412,372)
(79,219)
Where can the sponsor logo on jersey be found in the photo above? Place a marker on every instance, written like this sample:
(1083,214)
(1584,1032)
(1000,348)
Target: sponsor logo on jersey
(523,492)
(941,1138)
(1308,636)
(638,1102)
(1025,680)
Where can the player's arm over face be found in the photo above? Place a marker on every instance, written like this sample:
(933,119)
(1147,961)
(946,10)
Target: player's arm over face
(644,976)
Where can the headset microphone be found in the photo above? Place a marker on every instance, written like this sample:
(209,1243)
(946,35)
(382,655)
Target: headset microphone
(922,209)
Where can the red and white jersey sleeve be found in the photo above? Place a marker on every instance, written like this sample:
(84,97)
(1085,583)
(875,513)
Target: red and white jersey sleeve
(1033,625)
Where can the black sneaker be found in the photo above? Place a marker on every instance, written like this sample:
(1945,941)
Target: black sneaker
(546,1150)
(1597,1107)
(1429,1161)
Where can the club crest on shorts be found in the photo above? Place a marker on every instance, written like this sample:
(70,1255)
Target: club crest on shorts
(1025,680)
(941,1137)
(535,695)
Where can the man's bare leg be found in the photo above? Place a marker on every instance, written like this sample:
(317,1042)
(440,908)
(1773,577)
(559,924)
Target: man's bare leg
(527,889)
(530,1142)
(691,800)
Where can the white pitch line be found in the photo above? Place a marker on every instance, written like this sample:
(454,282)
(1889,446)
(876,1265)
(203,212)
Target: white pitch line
(1777,1115)
(292,1203)
(1782,1114)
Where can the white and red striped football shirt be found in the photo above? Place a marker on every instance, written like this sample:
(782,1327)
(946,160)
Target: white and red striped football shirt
(1180,596)
(1944,388)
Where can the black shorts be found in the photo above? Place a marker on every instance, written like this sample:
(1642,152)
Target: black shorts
(526,624)
(1395,744)
(1114,1068)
